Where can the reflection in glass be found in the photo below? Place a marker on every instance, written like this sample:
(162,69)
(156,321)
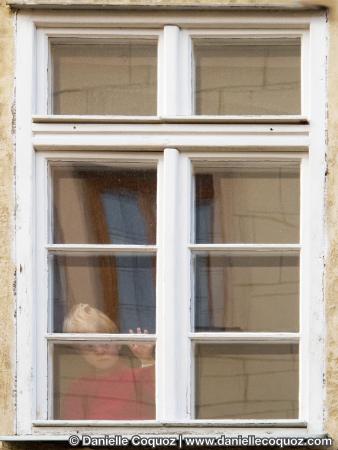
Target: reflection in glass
(246,293)
(102,204)
(246,381)
(105,380)
(247,205)
(121,286)
(235,77)
(116,78)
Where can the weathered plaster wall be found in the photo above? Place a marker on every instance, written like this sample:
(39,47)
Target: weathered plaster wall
(331,282)
(6,221)
(7,204)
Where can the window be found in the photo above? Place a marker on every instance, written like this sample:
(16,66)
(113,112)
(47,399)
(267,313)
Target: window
(172,199)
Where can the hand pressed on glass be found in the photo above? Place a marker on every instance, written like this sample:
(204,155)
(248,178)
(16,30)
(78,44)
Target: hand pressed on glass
(144,352)
(119,380)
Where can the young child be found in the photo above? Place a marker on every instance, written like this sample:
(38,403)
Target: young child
(114,391)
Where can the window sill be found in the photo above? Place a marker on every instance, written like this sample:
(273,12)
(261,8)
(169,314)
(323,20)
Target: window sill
(63,435)
(277,423)
(60,430)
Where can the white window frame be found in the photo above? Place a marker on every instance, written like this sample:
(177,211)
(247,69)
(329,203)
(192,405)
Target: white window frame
(181,138)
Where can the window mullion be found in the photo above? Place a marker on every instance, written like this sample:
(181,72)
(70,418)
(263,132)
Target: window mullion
(170,348)
(169,81)
(305,71)
(186,76)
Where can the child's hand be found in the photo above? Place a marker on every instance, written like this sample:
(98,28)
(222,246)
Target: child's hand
(144,350)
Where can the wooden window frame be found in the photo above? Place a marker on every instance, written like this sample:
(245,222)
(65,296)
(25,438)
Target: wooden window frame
(174,139)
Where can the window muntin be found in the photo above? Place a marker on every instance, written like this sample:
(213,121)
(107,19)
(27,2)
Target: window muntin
(247,76)
(108,77)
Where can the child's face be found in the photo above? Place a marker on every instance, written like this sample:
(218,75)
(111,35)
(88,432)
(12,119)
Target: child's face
(101,356)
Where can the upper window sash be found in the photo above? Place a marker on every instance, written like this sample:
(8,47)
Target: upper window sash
(182,79)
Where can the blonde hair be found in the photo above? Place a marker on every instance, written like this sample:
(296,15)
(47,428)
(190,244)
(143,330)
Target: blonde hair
(84,318)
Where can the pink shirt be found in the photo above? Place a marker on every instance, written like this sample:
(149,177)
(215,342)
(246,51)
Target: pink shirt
(127,394)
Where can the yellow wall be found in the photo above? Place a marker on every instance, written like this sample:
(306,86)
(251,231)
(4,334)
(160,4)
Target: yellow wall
(7,288)
(6,221)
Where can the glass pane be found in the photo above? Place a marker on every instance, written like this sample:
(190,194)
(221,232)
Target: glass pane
(103,294)
(104,381)
(101,204)
(246,381)
(246,293)
(256,76)
(103,77)
(247,205)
